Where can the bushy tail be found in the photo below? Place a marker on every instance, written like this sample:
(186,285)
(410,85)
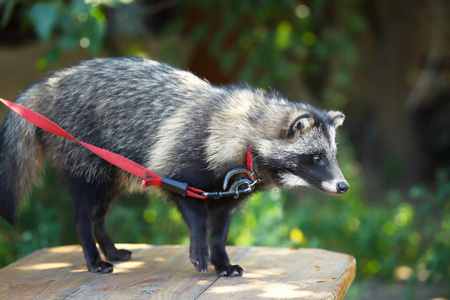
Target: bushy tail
(21,161)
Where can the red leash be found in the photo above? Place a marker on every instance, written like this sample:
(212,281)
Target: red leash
(149,178)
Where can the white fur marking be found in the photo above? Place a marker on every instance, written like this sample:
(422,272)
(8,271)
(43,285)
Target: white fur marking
(229,132)
(329,186)
(332,131)
(306,123)
(291,180)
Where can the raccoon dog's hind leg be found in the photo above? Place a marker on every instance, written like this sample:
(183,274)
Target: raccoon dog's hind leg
(100,233)
(92,201)
(194,214)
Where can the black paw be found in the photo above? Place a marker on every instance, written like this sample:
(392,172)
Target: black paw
(200,260)
(101,267)
(119,255)
(230,270)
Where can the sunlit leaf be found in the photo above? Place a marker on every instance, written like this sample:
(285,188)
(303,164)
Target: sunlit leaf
(283,35)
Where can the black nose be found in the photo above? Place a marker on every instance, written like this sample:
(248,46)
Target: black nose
(342,187)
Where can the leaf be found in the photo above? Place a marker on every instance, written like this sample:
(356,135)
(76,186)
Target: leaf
(7,12)
(283,35)
(43,16)
(68,41)
(94,29)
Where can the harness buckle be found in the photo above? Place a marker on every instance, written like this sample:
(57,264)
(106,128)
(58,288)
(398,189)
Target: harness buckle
(240,186)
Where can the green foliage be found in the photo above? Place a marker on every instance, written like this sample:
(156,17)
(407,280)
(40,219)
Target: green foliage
(282,40)
(65,24)
(278,40)
(433,215)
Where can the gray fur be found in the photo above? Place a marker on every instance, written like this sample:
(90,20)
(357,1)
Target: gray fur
(158,116)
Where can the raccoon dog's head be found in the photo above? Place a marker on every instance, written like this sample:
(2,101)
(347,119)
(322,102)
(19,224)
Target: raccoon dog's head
(305,152)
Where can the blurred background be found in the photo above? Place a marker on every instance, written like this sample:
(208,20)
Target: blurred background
(385,64)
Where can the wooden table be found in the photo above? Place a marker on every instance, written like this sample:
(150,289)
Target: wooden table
(165,272)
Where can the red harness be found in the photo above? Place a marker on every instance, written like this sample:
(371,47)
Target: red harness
(149,178)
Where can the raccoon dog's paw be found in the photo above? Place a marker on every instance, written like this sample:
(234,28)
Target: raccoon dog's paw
(119,255)
(200,259)
(101,267)
(230,270)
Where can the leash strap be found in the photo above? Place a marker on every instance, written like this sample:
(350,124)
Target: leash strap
(149,178)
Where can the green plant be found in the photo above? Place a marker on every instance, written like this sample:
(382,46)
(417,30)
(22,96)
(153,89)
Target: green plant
(65,25)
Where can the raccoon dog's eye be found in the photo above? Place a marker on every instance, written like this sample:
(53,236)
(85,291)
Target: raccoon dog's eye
(317,158)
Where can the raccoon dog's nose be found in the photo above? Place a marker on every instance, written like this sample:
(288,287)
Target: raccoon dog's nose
(342,187)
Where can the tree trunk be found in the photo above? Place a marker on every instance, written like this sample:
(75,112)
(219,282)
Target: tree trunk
(393,150)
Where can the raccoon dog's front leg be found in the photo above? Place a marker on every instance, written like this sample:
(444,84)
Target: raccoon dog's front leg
(219,219)
(91,204)
(194,214)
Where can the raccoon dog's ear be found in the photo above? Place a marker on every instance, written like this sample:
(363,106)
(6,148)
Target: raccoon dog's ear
(302,123)
(336,117)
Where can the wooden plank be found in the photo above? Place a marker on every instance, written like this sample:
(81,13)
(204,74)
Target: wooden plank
(156,272)
(166,272)
(49,272)
(287,274)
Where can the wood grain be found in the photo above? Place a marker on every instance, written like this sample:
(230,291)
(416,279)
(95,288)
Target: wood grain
(165,272)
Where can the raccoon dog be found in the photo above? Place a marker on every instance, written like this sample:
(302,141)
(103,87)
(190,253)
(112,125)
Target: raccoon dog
(176,125)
